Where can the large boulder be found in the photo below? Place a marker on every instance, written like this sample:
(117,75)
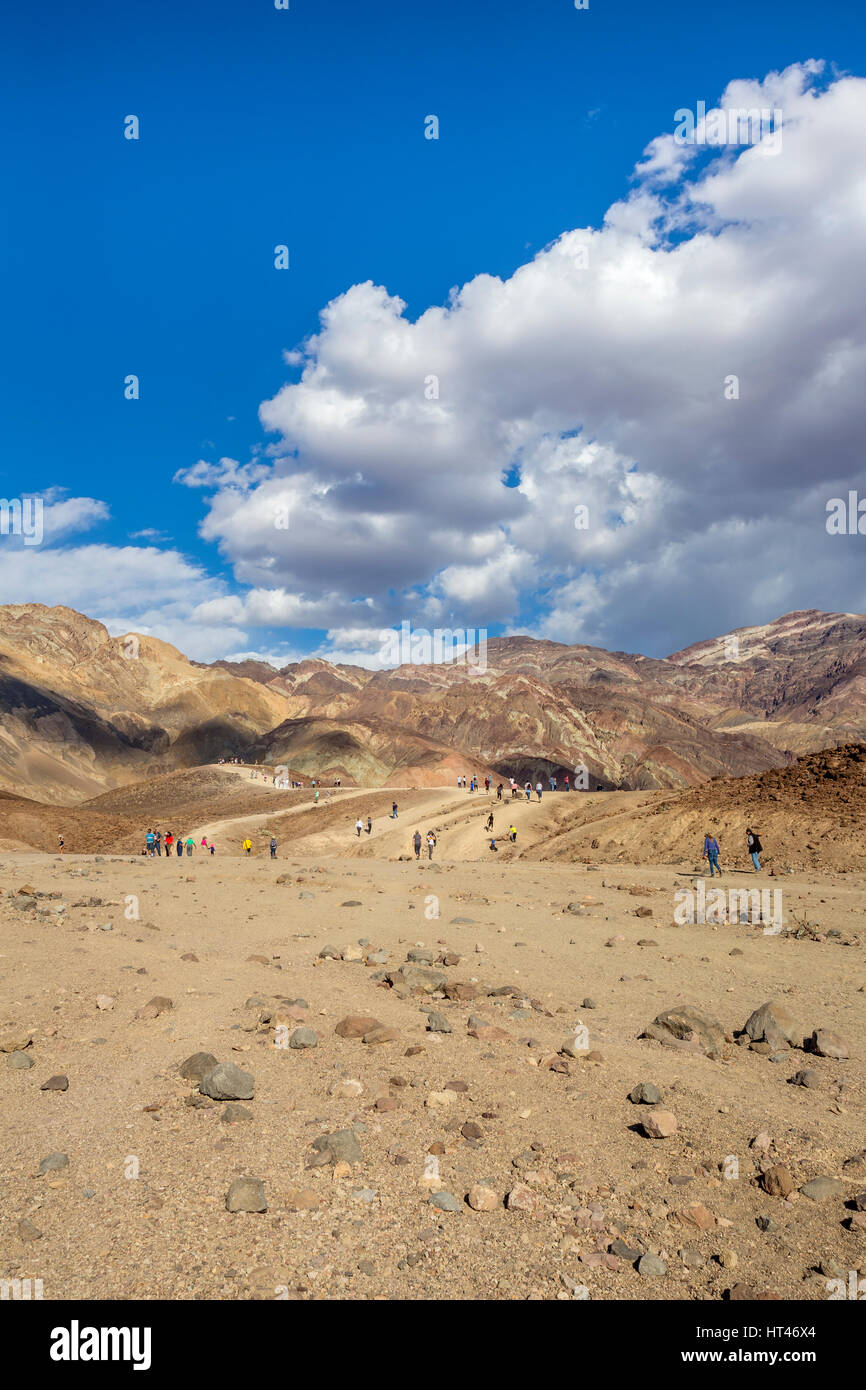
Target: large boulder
(773,1023)
(689,1029)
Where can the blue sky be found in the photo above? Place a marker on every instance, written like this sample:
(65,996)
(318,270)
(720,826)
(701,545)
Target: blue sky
(306,127)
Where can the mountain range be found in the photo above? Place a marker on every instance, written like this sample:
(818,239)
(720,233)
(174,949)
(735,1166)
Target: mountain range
(82,712)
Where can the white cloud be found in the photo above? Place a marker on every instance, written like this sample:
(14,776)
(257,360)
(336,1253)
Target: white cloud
(596,374)
(128,588)
(598,370)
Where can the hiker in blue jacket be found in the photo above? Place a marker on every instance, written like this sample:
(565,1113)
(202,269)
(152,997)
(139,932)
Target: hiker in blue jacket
(711,852)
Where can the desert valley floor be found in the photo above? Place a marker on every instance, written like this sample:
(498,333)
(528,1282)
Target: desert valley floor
(458,1135)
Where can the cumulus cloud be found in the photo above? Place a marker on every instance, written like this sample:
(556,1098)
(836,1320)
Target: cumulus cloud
(128,588)
(630,441)
(600,376)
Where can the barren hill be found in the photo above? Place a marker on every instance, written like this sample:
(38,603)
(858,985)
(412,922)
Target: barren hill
(808,816)
(82,712)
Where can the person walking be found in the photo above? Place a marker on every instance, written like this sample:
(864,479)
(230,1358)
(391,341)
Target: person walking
(149,841)
(247,845)
(60,843)
(190,845)
(211,847)
(204,841)
(490,821)
(754,846)
(359,826)
(538,790)
(169,843)
(493,845)
(499,792)
(512,834)
(416,841)
(431,844)
(711,852)
(567,783)
(393,810)
(179,846)
(157,842)
(273,848)
(527,790)
(369,825)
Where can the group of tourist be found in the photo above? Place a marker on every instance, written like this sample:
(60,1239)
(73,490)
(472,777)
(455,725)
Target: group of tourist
(155,842)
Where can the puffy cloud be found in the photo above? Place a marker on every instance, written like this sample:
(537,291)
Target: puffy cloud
(128,588)
(227,473)
(649,502)
(599,376)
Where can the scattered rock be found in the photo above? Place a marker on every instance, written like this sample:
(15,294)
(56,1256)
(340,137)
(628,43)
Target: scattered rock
(777,1181)
(19,1061)
(356,1025)
(196,1067)
(154,1007)
(659,1124)
(819,1189)
(441,1100)
(233,1114)
(827,1044)
(689,1029)
(772,1023)
(381,1034)
(645,1093)
(482,1198)
(522,1198)
(227,1082)
(302,1199)
(55,1083)
(52,1163)
(445,1201)
(339,1147)
(246,1194)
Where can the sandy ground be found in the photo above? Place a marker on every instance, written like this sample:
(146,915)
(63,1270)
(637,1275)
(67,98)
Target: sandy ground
(140,1210)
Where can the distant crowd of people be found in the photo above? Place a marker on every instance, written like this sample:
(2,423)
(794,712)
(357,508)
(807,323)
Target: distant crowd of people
(472,784)
(155,842)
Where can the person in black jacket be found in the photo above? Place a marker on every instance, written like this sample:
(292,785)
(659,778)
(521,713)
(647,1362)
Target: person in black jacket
(754,846)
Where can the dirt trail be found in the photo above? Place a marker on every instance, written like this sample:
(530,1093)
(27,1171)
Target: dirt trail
(458,819)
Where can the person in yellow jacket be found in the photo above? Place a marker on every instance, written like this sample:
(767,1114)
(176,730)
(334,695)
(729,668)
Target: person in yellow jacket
(247,846)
